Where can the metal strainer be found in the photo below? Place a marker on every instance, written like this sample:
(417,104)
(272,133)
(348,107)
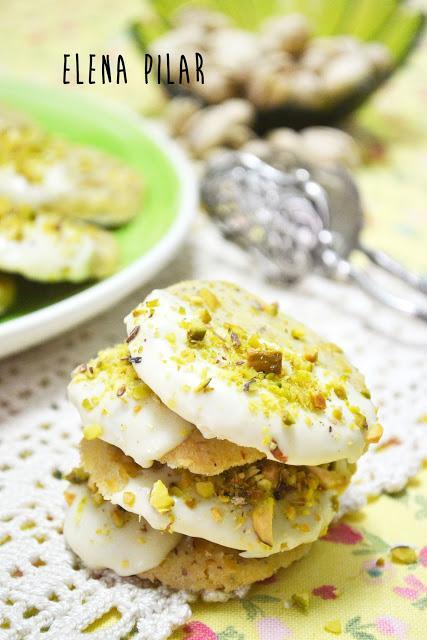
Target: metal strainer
(295,218)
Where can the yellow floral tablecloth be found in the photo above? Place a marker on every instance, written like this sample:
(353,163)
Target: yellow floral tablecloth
(348,574)
(349,577)
(353,586)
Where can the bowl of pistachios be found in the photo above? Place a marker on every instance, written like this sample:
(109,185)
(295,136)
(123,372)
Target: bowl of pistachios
(313,65)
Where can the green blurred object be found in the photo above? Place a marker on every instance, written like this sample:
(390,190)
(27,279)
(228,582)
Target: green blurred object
(7,292)
(391,22)
(81,120)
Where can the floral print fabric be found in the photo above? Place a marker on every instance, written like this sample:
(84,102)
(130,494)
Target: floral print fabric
(350,578)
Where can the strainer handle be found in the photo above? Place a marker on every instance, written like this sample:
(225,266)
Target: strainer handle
(376,291)
(392,266)
(339,268)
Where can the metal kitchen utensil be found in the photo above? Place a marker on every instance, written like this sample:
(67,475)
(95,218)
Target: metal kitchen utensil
(297,218)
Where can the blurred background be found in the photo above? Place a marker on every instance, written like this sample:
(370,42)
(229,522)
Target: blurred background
(390,130)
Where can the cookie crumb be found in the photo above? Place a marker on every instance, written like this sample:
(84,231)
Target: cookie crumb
(301,600)
(403,555)
(333,626)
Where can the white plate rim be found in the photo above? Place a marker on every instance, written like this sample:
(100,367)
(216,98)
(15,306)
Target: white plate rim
(44,324)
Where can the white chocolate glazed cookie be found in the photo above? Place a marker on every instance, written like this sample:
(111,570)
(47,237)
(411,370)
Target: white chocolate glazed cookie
(116,406)
(40,170)
(105,537)
(240,370)
(197,566)
(239,509)
(50,248)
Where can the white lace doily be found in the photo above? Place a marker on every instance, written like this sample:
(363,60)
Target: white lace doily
(44,592)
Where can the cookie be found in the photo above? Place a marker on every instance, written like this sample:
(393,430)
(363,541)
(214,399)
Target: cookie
(209,457)
(197,565)
(51,174)
(116,406)
(259,509)
(50,248)
(107,537)
(241,370)
(225,429)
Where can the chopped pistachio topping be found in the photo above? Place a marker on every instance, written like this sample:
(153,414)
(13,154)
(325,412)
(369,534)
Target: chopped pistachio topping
(265,361)
(77,476)
(258,486)
(196,333)
(80,508)
(101,187)
(262,520)
(301,600)
(205,489)
(129,498)
(272,309)
(92,431)
(340,392)
(277,452)
(160,498)
(132,334)
(97,499)
(69,497)
(119,517)
(374,433)
(337,414)
(298,333)
(319,401)
(31,234)
(203,387)
(118,376)
(329,479)
(261,488)
(311,356)
(205,316)
(288,417)
(216,514)
(227,336)
(209,298)
(227,344)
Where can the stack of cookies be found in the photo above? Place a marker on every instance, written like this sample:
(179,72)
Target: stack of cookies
(217,440)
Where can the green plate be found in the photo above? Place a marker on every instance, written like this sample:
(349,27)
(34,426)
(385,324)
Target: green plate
(146,243)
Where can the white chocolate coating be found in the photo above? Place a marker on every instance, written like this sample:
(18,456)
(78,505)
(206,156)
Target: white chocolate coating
(210,384)
(130,415)
(54,184)
(235,528)
(50,248)
(128,550)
